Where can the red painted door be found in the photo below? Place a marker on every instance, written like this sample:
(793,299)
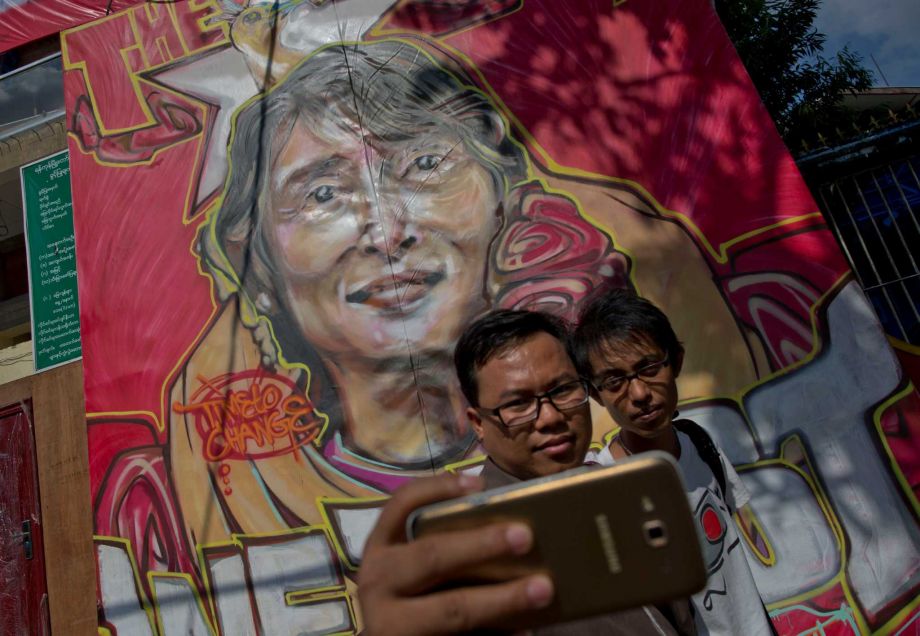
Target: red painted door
(23,593)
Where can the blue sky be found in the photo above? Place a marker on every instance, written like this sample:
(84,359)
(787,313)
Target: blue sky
(889,30)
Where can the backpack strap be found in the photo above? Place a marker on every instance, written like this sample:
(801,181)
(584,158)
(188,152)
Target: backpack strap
(706,449)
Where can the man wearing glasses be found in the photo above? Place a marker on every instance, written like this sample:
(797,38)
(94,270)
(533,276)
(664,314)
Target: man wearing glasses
(627,348)
(529,409)
(528,405)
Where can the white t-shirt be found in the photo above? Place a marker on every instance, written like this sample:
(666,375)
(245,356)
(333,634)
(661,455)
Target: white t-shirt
(730,604)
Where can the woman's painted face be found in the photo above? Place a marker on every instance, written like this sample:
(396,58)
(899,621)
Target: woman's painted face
(381,246)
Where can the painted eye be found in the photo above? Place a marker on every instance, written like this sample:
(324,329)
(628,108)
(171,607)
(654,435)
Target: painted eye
(323,193)
(252,17)
(427,162)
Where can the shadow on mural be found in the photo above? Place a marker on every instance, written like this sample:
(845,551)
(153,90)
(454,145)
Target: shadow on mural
(286,213)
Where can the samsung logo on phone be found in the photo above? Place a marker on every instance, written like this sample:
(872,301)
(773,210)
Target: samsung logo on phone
(607,544)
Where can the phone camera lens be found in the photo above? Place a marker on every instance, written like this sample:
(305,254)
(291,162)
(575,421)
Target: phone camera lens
(656,534)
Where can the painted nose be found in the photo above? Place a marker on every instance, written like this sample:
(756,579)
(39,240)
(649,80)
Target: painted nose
(393,243)
(387,232)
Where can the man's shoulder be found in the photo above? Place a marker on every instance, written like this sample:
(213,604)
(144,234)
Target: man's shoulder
(705,447)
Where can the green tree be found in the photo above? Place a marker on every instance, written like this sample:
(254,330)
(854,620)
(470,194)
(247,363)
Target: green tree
(782,51)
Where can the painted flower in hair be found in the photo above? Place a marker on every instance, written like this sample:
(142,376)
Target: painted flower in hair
(550,258)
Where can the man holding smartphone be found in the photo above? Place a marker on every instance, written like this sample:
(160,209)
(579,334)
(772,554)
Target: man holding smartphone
(417,588)
(629,351)
(529,409)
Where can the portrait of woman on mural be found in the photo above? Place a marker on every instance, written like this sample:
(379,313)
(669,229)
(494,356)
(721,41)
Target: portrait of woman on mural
(375,205)
(362,218)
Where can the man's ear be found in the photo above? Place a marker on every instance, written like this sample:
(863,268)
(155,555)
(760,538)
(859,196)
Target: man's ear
(475,420)
(679,362)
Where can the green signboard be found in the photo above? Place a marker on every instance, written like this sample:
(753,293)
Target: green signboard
(52,261)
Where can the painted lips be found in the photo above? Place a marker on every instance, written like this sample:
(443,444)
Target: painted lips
(398,293)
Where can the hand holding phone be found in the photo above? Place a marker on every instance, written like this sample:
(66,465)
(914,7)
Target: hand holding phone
(403,587)
(610,538)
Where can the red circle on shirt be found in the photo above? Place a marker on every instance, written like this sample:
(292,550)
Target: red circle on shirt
(712,524)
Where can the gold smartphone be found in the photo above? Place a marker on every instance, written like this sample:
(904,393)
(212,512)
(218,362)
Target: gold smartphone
(610,538)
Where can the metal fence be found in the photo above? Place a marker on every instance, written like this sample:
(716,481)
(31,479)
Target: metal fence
(869,192)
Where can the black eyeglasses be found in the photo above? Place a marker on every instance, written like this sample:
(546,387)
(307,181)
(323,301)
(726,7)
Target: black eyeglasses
(526,410)
(617,383)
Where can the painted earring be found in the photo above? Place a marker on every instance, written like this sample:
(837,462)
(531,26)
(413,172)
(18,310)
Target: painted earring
(263,302)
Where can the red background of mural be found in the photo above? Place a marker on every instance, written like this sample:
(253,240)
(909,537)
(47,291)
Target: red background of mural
(681,119)
(34,19)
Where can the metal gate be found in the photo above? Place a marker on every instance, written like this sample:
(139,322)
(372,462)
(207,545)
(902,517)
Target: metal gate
(869,192)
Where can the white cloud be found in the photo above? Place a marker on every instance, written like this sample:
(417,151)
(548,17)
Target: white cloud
(886,29)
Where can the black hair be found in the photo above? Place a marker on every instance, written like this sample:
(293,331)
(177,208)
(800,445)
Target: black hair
(620,315)
(496,332)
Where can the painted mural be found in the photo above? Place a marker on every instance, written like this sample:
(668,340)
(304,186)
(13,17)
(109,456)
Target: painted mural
(287,212)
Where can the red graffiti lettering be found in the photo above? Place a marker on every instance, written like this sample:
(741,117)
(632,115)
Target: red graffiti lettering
(112,51)
(250,415)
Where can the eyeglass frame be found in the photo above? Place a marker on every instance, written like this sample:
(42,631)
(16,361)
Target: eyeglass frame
(635,375)
(540,397)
